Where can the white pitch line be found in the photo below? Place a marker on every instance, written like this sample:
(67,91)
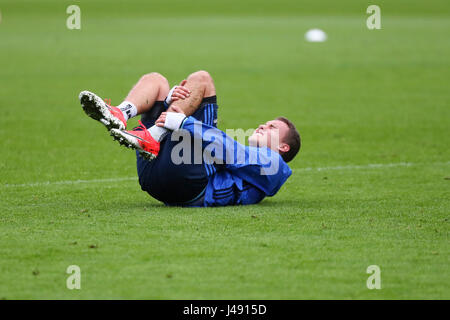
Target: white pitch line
(51,183)
(372,166)
(348,167)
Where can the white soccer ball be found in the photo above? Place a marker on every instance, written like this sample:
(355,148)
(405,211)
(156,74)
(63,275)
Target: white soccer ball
(315,35)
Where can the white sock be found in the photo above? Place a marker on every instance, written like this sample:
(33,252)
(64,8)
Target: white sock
(158,133)
(128,109)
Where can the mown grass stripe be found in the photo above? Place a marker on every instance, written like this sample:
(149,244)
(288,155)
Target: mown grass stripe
(346,167)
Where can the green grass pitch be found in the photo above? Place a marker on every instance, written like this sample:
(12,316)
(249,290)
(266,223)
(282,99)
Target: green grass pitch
(371,185)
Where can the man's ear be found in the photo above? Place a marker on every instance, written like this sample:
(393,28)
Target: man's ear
(182,83)
(284,147)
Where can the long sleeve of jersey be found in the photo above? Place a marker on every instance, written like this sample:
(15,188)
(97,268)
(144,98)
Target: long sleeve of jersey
(260,167)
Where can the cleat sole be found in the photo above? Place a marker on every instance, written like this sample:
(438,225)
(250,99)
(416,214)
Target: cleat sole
(97,109)
(130,142)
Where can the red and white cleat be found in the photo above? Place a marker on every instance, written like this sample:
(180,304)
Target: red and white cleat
(111,117)
(139,139)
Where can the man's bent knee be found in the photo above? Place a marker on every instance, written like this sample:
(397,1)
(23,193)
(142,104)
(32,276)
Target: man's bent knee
(159,80)
(201,75)
(205,78)
(154,76)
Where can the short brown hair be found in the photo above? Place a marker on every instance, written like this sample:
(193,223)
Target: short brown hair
(292,139)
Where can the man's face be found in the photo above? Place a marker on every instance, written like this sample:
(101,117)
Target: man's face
(271,134)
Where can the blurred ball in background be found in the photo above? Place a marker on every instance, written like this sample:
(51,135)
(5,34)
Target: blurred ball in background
(315,35)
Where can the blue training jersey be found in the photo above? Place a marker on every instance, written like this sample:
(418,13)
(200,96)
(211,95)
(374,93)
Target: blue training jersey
(240,174)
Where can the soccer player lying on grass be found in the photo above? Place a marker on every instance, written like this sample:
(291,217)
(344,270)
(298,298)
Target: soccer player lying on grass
(207,167)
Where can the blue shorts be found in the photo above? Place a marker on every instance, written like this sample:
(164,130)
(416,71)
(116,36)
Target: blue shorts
(175,184)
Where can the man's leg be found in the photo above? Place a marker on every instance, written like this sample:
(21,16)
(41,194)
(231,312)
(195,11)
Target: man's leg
(201,85)
(161,178)
(182,184)
(146,140)
(154,87)
(150,88)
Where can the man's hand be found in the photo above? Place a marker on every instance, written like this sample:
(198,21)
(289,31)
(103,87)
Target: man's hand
(162,118)
(161,121)
(177,93)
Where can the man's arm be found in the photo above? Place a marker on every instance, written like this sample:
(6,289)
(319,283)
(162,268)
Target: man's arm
(261,167)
